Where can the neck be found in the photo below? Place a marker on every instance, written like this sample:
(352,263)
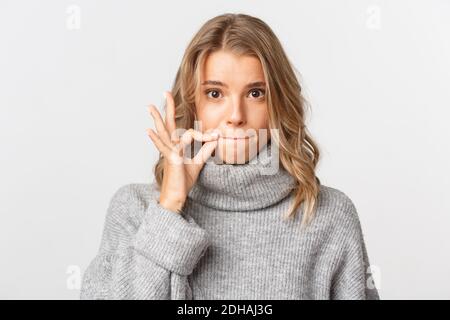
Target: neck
(257,184)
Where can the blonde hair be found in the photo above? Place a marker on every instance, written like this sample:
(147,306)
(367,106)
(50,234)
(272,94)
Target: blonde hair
(246,35)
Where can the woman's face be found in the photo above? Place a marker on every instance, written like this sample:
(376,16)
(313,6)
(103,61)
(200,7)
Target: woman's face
(232,99)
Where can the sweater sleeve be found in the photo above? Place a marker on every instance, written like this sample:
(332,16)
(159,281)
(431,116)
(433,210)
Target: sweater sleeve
(354,279)
(144,256)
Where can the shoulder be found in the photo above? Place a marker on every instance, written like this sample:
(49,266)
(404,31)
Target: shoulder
(337,210)
(134,194)
(125,213)
(129,202)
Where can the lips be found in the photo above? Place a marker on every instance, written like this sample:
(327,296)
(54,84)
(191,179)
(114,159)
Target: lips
(236,138)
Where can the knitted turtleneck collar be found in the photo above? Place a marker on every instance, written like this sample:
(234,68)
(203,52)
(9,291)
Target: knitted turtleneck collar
(242,187)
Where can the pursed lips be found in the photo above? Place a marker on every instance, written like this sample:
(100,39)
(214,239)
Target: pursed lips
(237,138)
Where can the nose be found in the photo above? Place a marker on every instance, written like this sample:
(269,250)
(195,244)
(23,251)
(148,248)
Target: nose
(237,116)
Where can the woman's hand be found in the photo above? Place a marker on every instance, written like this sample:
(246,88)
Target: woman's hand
(180,173)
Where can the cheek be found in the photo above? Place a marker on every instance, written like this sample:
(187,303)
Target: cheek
(208,118)
(260,120)
(260,123)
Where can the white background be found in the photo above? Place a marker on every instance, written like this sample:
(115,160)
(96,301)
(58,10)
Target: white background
(73,119)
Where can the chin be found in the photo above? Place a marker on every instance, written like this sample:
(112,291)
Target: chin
(235,161)
(231,154)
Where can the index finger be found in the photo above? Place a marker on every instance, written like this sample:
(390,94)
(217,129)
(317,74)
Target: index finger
(170,115)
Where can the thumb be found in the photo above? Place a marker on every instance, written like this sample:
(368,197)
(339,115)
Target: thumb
(204,154)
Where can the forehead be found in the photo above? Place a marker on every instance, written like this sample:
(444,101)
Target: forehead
(231,68)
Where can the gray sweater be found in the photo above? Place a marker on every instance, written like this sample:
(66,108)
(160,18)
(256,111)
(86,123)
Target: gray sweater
(230,242)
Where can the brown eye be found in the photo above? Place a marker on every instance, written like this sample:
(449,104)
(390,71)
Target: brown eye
(257,93)
(214,94)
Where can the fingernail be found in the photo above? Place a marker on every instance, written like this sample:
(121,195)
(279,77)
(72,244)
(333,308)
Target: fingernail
(164,95)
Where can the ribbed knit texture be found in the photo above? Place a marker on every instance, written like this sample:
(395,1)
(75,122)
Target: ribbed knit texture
(230,242)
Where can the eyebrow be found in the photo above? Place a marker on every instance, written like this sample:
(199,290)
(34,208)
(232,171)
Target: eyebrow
(219,83)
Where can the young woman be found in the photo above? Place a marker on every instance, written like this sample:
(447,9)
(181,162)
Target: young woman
(232,228)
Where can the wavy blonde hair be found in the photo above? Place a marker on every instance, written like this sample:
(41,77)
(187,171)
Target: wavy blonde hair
(247,35)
